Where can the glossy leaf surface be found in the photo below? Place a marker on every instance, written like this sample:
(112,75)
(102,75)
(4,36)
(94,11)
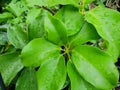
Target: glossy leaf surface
(95,66)
(27,80)
(38,51)
(3,38)
(106,21)
(36,23)
(17,8)
(17,36)
(10,65)
(86,34)
(52,74)
(5,16)
(56,31)
(85,2)
(77,82)
(68,14)
(50,3)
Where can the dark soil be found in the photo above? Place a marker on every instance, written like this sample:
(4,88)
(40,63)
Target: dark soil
(118,66)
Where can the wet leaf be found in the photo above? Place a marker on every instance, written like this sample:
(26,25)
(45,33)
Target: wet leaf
(87,33)
(95,66)
(38,51)
(52,74)
(17,8)
(56,31)
(106,22)
(10,65)
(17,36)
(5,16)
(27,80)
(77,82)
(68,14)
(3,38)
(50,3)
(36,23)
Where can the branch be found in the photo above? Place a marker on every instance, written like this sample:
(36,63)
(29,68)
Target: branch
(45,9)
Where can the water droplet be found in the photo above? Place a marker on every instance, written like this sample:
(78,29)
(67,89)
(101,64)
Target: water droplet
(106,14)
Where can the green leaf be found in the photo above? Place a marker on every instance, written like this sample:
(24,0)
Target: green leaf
(50,3)
(4,26)
(106,21)
(38,51)
(87,33)
(17,35)
(14,21)
(77,82)
(10,65)
(27,80)
(85,2)
(71,17)
(56,31)
(95,66)
(17,8)
(4,2)
(52,74)
(5,16)
(3,38)
(36,23)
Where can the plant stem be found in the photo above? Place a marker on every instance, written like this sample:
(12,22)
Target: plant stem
(46,8)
